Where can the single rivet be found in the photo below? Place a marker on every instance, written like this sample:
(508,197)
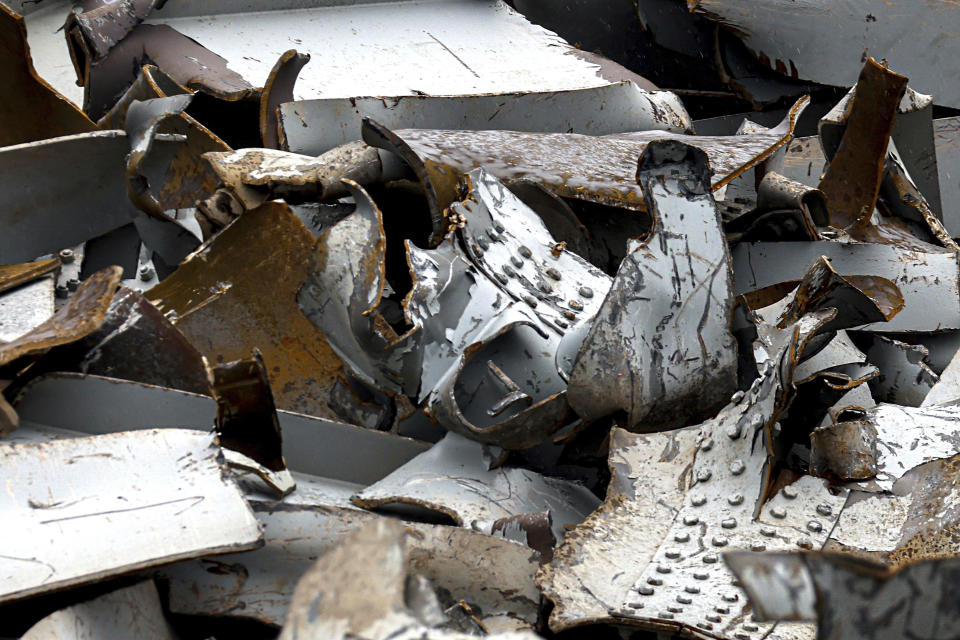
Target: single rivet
(698,500)
(707,444)
(741,636)
(735,499)
(805,543)
(498,227)
(484,244)
(569,315)
(710,558)
(703,475)
(737,467)
(530,300)
(733,432)
(502,279)
(562,324)
(478,251)
(662,568)
(675,609)
(705,625)
(636,605)
(586,292)
(690,520)
(694,589)
(824,509)
(789,492)
(758,546)
(729,523)
(730,597)
(750,627)
(684,599)
(768,532)
(814,526)
(517,261)
(713,618)
(756,421)
(545,287)
(66,256)
(673,554)
(492,234)
(507,269)
(72,284)
(682,537)
(61,291)
(576,305)
(736,397)
(654,581)
(719,541)
(665,615)
(722,610)
(700,575)
(553,273)
(778,512)
(524,251)
(645,591)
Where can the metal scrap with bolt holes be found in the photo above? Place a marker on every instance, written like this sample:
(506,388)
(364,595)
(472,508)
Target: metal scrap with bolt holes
(442,319)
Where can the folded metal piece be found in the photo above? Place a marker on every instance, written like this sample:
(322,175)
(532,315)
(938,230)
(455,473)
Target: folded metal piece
(845,451)
(454,479)
(314,127)
(357,590)
(660,349)
(904,378)
(277,90)
(600,169)
(30,109)
(825,42)
(101,24)
(64,492)
(719,497)
(127,612)
(851,598)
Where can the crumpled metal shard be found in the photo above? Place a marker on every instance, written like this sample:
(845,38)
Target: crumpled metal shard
(83,313)
(851,598)
(454,478)
(491,576)
(904,377)
(660,349)
(101,24)
(825,42)
(314,127)
(927,280)
(356,590)
(30,109)
(64,492)
(719,500)
(557,161)
(247,425)
(130,611)
(785,210)
(844,451)
(239,289)
(278,90)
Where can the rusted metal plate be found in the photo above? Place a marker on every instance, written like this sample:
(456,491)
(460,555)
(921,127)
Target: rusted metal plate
(454,479)
(239,291)
(30,109)
(557,161)
(683,365)
(80,316)
(14,275)
(313,127)
(826,42)
(64,492)
(130,610)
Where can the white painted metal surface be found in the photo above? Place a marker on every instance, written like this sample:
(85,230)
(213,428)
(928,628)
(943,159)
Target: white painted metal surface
(25,308)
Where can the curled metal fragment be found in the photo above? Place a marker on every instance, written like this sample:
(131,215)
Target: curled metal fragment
(103,23)
(247,418)
(277,90)
(30,109)
(558,161)
(83,313)
(660,349)
(844,451)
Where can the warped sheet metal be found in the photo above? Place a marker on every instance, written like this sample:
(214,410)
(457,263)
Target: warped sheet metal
(313,127)
(853,599)
(683,365)
(826,42)
(722,499)
(127,612)
(30,109)
(557,161)
(493,577)
(61,494)
(361,589)
(454,478)
(928,281)
(239,289)
(98,405)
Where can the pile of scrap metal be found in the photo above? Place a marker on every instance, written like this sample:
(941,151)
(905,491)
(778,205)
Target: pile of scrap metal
(507,350)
